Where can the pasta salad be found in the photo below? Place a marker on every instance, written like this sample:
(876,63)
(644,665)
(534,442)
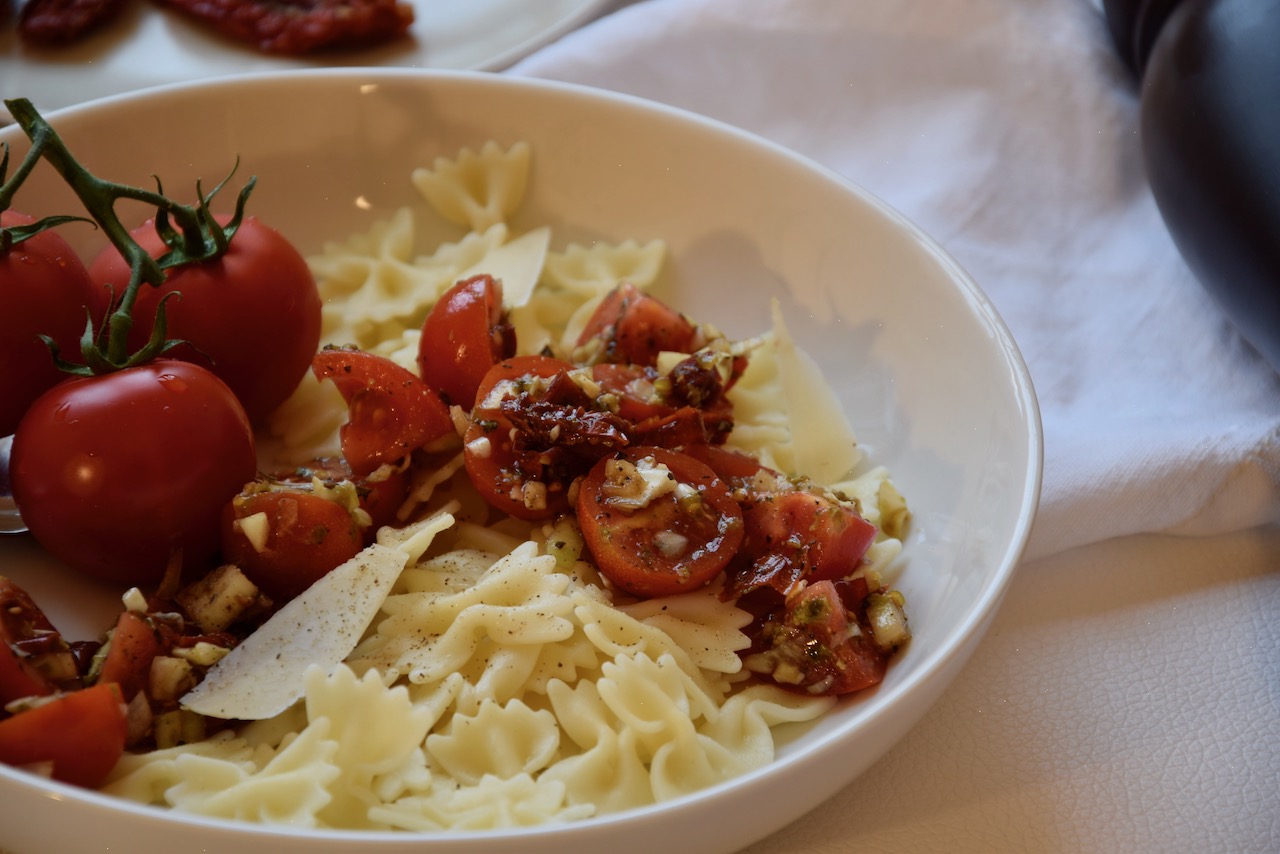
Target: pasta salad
(602,567)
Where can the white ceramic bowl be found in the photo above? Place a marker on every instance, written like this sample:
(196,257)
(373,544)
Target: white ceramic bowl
(932,381)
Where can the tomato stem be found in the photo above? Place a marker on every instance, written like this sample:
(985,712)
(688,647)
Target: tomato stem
(197,238)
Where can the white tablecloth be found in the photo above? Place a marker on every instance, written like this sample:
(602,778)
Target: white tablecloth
(1127,697)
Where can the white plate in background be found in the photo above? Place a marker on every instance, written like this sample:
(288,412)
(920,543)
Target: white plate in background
(148,46)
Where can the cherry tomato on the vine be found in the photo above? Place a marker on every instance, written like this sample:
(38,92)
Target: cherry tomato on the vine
(113,473)
(300,537)
(658,522)
(45,290)
(465,333)
(252,316)
(391,412)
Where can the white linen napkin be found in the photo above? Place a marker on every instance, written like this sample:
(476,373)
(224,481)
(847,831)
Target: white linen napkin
(1008,131)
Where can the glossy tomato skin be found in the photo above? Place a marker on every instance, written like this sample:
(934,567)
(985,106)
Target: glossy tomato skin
(252,316)
(113,473)
(815,645)
(390,411)
(523,482)
(380,498)
(81,734)
(464,335)
(134,645)
(634,327)
(671,545)
(25,634)
(796,536)
(307,536)
(45,290)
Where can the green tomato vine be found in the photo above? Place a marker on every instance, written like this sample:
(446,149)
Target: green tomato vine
(190,234)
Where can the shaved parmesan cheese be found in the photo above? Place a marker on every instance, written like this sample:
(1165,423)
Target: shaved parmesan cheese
(824,445)
(263,676)
(517,264)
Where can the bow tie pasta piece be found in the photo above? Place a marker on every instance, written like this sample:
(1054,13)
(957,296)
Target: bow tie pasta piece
(290,788)
(520,600)
(476,189)
(709,629)
(594,270)
(492,804)
(498,740)
(375,288)
(379,731)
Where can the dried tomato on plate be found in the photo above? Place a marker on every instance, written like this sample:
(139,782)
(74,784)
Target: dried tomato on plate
(61,22)
(301,26)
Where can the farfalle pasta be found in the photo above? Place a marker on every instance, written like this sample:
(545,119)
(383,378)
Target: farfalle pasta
(503,683)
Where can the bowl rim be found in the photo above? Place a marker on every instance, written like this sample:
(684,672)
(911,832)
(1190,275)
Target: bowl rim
(954,647)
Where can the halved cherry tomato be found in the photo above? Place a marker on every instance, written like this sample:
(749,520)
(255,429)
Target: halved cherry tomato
(634,327)
(134,644)
(391,412)
(380,498)
(516,476)
(815,646)
(81,733)
(667,543)
(466,332)
(306,536)
(798,535)
(732,466)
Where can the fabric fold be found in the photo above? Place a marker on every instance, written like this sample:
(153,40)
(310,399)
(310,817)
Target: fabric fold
(1009,133)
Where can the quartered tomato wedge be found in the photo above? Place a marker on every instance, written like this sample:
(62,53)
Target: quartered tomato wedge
(391,413)
(34,657)
(465,334)
(80,734)
(634,327)
(657,522)
(815,646)
(798,535)
(134,645)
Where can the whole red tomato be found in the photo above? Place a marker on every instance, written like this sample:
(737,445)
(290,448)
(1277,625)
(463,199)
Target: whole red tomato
(252,316)
(112,473)
(45,290)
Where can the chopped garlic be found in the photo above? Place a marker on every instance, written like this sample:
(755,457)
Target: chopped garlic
(134,601)
(633,486)
(256,528)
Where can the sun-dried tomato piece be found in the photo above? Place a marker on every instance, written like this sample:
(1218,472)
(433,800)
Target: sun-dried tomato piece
(302,26)
(61,22)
